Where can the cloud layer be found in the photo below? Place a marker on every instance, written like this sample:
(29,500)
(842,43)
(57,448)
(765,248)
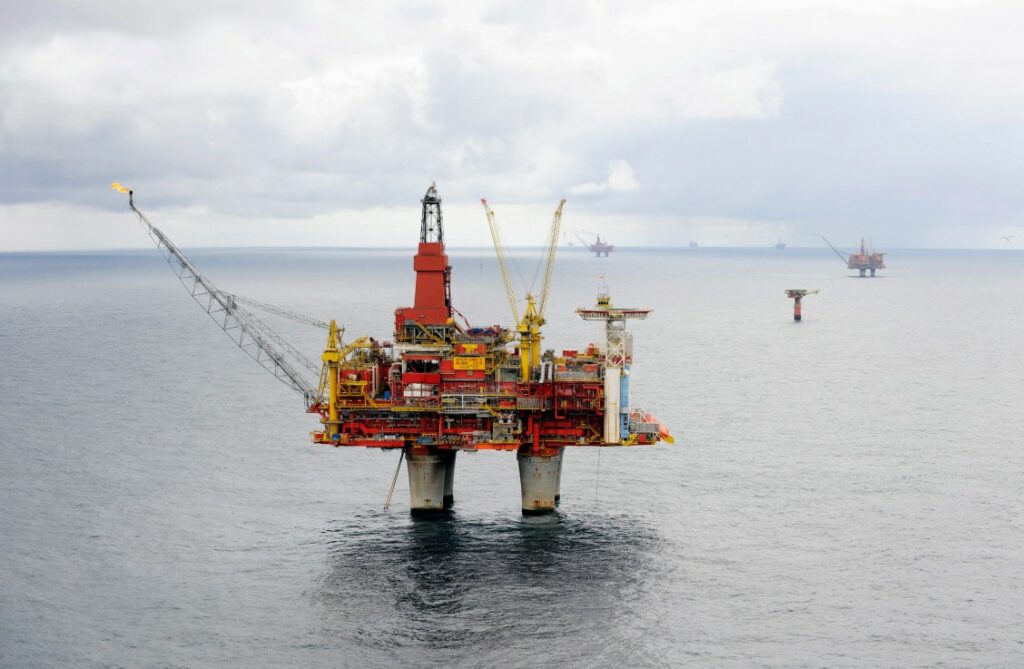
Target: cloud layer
(621,179)
(897,119)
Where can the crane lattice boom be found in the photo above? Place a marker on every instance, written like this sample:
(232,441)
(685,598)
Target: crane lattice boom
(499,251)
(266,330)
(841,256)
(247,332)
(532,318)
(280,311)
(549,266)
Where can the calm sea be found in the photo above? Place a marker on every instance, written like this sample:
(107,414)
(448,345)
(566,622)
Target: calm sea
(844,492)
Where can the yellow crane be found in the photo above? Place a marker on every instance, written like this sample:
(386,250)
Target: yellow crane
(531,320)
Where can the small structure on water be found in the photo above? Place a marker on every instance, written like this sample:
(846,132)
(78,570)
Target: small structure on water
(798,294)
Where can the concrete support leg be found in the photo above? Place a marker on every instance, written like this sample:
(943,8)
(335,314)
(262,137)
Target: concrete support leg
(558,479)
(426,483)
(539,480)
(872,272)
(448,458)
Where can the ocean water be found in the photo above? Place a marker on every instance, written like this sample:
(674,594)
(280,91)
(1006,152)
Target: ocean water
(844,492)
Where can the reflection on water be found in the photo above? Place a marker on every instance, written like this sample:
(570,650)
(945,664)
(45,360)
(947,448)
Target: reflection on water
(482,586)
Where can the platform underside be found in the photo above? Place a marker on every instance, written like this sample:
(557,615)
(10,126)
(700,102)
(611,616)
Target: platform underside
(484,446)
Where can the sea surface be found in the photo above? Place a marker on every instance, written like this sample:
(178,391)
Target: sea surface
(843,492)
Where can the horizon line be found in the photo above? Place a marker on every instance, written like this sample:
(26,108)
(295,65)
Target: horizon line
(686,247)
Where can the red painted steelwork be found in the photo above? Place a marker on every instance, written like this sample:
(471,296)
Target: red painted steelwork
(432,305)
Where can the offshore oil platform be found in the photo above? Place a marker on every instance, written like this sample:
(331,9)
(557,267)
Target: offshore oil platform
(440,386)
(797,295)
(598,247)
(863,260)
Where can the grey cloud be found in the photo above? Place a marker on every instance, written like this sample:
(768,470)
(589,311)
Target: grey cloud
(245,118)
(29,21)
(842,154)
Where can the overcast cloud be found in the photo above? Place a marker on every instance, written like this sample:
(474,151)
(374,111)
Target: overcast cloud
(310,123)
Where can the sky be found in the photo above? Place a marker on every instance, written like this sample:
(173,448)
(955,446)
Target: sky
(306,123)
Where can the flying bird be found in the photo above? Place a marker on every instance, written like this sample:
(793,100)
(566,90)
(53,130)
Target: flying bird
(1008,237)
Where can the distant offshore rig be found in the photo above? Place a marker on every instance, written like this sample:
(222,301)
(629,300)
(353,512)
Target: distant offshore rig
(864,261)
(597,247)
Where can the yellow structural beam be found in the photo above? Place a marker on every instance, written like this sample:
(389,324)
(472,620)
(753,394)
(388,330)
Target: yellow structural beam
(329,374)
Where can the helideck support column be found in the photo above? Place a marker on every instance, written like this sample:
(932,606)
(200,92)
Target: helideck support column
(448,458)
(426,483)
(539,479)
(612,388)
